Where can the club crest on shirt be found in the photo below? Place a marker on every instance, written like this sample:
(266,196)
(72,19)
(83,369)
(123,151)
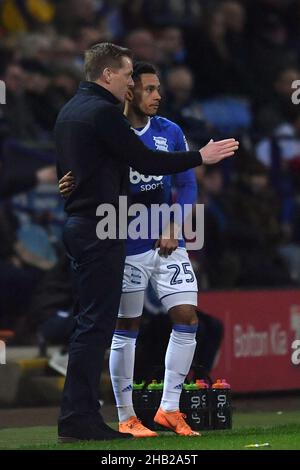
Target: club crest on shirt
(161,143)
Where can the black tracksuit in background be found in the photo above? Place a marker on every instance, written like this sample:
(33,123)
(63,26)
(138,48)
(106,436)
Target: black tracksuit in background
(95,142)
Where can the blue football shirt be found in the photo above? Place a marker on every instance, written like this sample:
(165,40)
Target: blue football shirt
(159,134)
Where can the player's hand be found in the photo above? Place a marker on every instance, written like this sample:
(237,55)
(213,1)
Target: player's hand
(166,246)
(66,185)
(214,152)
(167,243)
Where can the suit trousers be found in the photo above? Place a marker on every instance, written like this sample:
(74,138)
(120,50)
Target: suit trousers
(97,272)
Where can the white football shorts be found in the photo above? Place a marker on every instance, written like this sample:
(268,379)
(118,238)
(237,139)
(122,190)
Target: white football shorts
(172,278)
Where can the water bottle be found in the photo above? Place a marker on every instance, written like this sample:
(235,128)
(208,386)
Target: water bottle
(221,409)
(204,403)
(194,403)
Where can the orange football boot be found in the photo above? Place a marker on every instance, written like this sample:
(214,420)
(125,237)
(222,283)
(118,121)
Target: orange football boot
(175,421)
(134,426)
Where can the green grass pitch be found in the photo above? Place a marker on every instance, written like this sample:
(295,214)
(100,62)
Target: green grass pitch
(281,430)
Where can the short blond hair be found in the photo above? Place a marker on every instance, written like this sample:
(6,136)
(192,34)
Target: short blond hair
(102,55)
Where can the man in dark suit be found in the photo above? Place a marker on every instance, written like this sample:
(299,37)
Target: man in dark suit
(94,141)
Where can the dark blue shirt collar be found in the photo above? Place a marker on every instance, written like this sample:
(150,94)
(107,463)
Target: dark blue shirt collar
(93,87)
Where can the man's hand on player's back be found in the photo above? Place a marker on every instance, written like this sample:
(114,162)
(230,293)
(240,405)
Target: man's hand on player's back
(66,185)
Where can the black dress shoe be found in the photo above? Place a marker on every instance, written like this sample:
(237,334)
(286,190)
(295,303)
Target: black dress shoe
(88,430)
(93,436)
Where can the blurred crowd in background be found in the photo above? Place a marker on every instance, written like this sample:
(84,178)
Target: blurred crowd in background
(226,69)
